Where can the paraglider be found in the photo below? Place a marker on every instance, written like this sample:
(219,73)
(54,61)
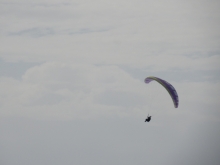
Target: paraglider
(148,118)
(170,89)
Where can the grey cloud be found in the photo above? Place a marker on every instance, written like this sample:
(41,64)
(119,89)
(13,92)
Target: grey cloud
(175,74)
(34,32)
(14,69)
(121,98)
(45,99)
(202,54)
(201,146)
(42,32)
(108,141)
(175,40)
(86,30)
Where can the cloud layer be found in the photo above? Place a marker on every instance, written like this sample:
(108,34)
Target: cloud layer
(72,89)
(139,34)
(64,91)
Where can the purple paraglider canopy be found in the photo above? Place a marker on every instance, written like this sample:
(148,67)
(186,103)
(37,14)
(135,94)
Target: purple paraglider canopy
(167,86)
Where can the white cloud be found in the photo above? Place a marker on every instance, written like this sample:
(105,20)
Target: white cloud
(61,88)
(135,33)
(66,91)
(81,48)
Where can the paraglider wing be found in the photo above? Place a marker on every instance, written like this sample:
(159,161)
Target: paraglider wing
(167,86)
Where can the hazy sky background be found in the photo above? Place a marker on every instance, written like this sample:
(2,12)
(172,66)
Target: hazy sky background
(72,82)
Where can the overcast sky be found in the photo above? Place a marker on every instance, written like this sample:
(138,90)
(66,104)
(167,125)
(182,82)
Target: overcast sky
(72,85)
